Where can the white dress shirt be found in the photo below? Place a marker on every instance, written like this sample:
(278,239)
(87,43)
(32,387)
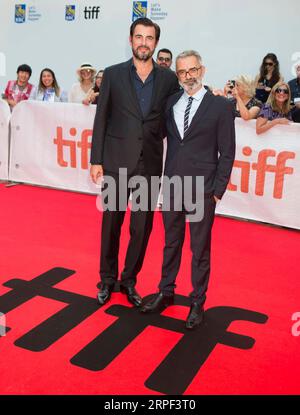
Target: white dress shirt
(181,104)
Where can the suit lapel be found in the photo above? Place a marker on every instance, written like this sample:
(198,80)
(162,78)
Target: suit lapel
(171,113)
(200,112)
(158,83)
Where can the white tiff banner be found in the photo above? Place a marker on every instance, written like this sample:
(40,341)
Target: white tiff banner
(4,139)
(265,179)
(50,146)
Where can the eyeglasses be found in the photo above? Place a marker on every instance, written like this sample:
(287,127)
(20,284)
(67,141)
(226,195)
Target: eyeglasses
(281,90)
(85,71)
(269,63)
(162,59)
(192,72)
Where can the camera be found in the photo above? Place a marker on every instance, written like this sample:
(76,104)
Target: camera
(231,84)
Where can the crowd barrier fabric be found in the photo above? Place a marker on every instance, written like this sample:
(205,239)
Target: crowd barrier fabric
(50,146)
(4,139)
(266,175)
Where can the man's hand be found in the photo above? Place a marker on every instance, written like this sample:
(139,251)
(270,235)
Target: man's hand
(96,172)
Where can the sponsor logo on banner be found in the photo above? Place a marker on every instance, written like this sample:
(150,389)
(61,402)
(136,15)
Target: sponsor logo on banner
(20,13)
(156,12)
(33,14)
(91,12)
(139,9)
(70,12)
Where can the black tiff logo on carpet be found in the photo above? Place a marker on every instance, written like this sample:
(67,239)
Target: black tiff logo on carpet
(175,372)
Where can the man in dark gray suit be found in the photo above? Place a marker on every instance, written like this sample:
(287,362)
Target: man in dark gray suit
(201,142)
(128,134)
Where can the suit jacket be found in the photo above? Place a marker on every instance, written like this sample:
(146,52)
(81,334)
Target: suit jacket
(208,147)
(120,131)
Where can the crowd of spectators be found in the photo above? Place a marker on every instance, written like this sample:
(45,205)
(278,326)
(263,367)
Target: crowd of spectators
(267,98)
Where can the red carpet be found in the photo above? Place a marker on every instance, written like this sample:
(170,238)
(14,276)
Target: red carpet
(60,342)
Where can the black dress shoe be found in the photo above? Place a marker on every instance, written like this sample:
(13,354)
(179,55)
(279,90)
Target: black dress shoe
(132,295)
(195,316)
(105,293)
(158,304)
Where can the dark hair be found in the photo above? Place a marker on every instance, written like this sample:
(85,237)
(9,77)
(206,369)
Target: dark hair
(165,50)
(95,87)
(144,21)
(263,70)
(55,84)
(24,68)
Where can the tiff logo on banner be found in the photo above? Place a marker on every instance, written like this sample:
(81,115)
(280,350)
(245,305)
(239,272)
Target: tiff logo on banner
(278,168)
(90,9)
(84,145)
(91,12)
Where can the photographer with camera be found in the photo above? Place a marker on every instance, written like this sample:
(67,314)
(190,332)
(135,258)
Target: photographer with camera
(241,92)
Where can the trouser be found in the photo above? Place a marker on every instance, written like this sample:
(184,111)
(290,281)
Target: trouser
(140,230)
(200,235)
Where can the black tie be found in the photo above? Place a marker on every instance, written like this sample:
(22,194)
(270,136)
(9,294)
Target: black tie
(186,115)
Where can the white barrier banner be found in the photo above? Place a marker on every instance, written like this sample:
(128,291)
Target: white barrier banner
(4,139)
(50,145)
(265,180)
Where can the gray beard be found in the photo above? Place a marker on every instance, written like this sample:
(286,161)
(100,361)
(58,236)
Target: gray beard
(192,87)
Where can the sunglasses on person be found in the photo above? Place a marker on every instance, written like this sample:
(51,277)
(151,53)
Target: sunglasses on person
(269,63)
(162,59)
(281,90)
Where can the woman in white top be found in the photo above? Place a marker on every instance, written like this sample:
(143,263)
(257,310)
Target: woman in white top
(48,89)
(80,91)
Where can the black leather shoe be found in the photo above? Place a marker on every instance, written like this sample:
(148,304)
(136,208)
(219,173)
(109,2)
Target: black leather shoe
(195,316)
(158,304)
(104,293)
(132,295)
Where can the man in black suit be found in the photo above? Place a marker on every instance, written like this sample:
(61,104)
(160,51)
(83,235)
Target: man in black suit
(128,134)
(201,142)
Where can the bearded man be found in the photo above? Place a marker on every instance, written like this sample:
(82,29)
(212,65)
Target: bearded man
(201,143)
(128,135)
